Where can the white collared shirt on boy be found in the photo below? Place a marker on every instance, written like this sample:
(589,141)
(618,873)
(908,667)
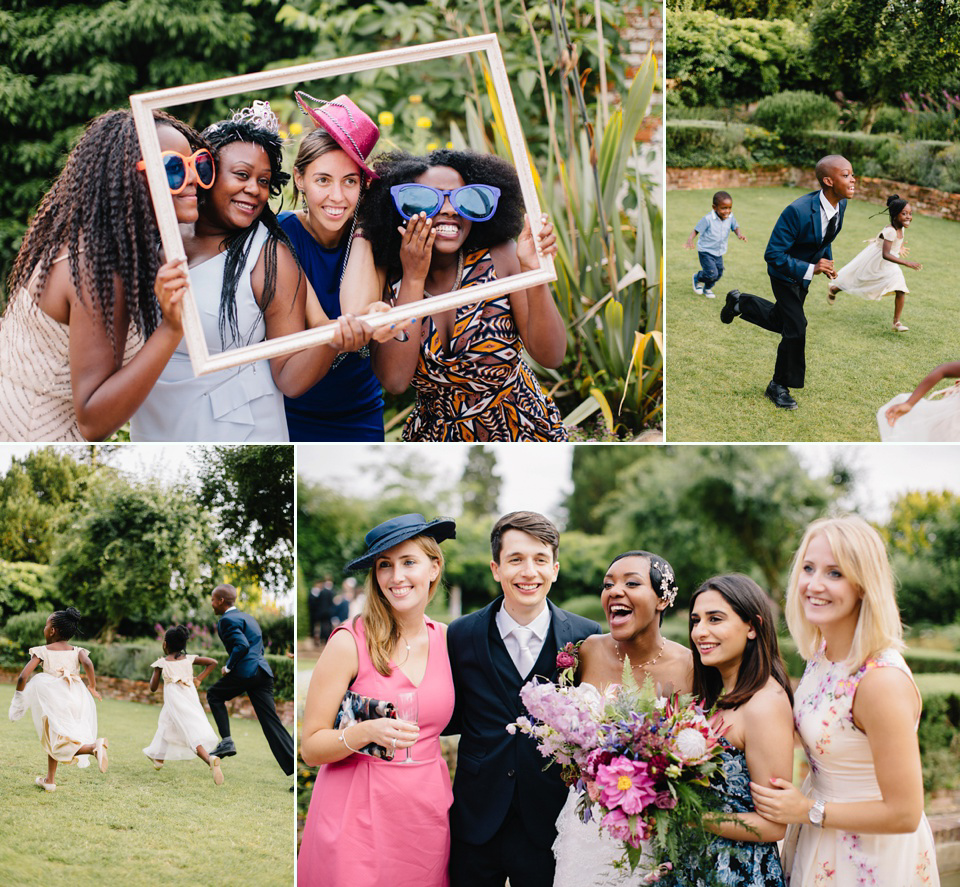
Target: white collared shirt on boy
(511,632)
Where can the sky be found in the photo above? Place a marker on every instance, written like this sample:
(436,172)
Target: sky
(537,476)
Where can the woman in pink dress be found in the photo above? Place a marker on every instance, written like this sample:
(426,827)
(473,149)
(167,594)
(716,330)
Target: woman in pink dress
(379,810)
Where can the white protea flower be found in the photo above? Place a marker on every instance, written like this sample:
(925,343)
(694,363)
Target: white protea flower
(691,744)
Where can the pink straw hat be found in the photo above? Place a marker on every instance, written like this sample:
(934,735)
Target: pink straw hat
(347,125)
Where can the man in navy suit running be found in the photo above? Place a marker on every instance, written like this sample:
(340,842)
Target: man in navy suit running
(505,806)
(799,248)
(247,671)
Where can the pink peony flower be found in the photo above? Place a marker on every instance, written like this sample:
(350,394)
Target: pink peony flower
(617,824)
(626,784)
(665,801)
(566,660)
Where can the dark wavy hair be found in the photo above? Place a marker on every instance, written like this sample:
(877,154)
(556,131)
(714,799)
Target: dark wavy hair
(761,657)
(176,638)
(99,209)
(66,622)
(238,244)
(662,575)
(380,220)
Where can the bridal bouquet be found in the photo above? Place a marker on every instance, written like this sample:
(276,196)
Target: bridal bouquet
(643,763)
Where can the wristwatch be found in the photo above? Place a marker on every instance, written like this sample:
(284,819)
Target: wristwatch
(815,813)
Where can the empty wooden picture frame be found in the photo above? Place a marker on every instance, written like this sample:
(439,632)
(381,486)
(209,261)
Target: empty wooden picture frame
(144,104)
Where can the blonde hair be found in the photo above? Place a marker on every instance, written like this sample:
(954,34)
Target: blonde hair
(379,622)
(862,558)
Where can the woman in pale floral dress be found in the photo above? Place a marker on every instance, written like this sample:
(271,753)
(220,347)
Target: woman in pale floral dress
(858,819)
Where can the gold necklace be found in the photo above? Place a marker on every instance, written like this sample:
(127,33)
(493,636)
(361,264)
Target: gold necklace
(649,662)
(456,284)
(401,639)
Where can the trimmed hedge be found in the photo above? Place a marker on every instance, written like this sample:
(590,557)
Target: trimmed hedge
(24,587)
(713,60)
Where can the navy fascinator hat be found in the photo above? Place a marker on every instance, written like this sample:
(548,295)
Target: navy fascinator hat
(399,529)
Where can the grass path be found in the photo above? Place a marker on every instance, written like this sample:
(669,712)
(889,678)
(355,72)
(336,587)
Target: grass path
(134,825)
(716,374)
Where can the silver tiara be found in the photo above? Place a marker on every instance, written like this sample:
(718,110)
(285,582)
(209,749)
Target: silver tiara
(258,115)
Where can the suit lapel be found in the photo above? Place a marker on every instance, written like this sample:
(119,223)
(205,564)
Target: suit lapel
(815,217)
(481,649)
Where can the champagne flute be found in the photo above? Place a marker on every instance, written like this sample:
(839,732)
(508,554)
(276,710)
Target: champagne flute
(408,709)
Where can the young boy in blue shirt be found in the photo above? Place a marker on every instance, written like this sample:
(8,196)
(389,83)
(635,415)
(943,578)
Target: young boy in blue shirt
(714,230)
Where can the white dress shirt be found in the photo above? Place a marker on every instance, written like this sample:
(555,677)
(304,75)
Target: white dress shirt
(827,212)
(523,642)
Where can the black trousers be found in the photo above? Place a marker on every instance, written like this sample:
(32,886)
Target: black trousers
(785,317)
(260,690)
(510,853)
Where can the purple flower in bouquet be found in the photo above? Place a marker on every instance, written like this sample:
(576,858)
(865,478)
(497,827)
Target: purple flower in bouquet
(665,801)
(625,784)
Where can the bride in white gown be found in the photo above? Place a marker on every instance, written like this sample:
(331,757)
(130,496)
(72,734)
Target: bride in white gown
(637,588)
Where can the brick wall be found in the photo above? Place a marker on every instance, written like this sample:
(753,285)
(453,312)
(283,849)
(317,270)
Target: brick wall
(925,201)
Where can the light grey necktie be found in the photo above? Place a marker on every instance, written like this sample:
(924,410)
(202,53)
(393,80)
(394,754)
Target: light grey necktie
(525,658)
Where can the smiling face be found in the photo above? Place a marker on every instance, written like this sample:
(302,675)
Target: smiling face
(717,631)
(840,178)
(628,598)
(184,203)
(526,571)
(905,216)
(404,574)
(332,186)
(723,207)
(452,229)
(828,598)
(242,187)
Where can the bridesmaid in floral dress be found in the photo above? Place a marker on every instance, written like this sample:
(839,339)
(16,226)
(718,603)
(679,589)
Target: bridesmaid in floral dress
(858,819)
(737,667)
(462,211)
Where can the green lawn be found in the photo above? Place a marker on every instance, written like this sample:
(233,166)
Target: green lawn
(716,374)
(139,826)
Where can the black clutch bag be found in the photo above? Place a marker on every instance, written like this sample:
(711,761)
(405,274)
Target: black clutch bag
(355,708)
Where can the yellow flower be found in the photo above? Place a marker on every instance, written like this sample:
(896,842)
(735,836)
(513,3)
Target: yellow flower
(295,129)
(449,146)
(416,99)
(385,118)
(432,146)
(423,123)
(282,133)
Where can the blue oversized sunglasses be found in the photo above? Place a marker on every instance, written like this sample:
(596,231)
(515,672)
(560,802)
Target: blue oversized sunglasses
(477,203)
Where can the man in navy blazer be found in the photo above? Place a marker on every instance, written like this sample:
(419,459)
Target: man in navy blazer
(505,806)
(799,247)
(247,671)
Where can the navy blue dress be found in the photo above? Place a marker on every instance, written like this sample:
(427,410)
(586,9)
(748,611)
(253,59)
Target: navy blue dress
(347,403)
(734,863)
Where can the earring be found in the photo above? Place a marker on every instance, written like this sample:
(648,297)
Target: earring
(303,202)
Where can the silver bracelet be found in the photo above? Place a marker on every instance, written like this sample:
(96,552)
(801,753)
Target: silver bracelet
(343,739)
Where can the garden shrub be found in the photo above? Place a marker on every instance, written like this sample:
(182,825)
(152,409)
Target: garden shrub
(24,587)
(703,143)
(277,633)
(26,630)
(721,61)
(939,738)
(795,111)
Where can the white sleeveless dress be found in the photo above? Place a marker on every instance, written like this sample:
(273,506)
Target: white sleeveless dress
(240,404)
(183,723)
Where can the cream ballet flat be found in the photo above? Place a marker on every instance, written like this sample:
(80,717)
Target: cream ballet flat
(100,752)
(215,769)
(46,786)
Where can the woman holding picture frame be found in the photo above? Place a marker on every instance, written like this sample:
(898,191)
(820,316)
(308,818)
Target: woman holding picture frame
(249,287)
(380,804)
(447,222)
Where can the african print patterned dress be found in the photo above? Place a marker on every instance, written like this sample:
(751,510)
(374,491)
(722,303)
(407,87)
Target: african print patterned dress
(479,389)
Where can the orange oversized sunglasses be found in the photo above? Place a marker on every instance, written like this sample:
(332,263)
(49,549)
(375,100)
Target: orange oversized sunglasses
(176,166)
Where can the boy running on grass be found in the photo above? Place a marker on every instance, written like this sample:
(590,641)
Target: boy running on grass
(714,230)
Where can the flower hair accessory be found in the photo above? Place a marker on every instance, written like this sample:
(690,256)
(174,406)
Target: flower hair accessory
(258,115)
(662,580)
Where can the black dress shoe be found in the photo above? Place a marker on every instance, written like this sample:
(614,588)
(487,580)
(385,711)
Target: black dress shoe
(780,396)
(224,749)
(731,307)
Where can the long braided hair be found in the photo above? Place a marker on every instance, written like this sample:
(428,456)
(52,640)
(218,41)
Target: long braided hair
(99,209)
(239,243)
